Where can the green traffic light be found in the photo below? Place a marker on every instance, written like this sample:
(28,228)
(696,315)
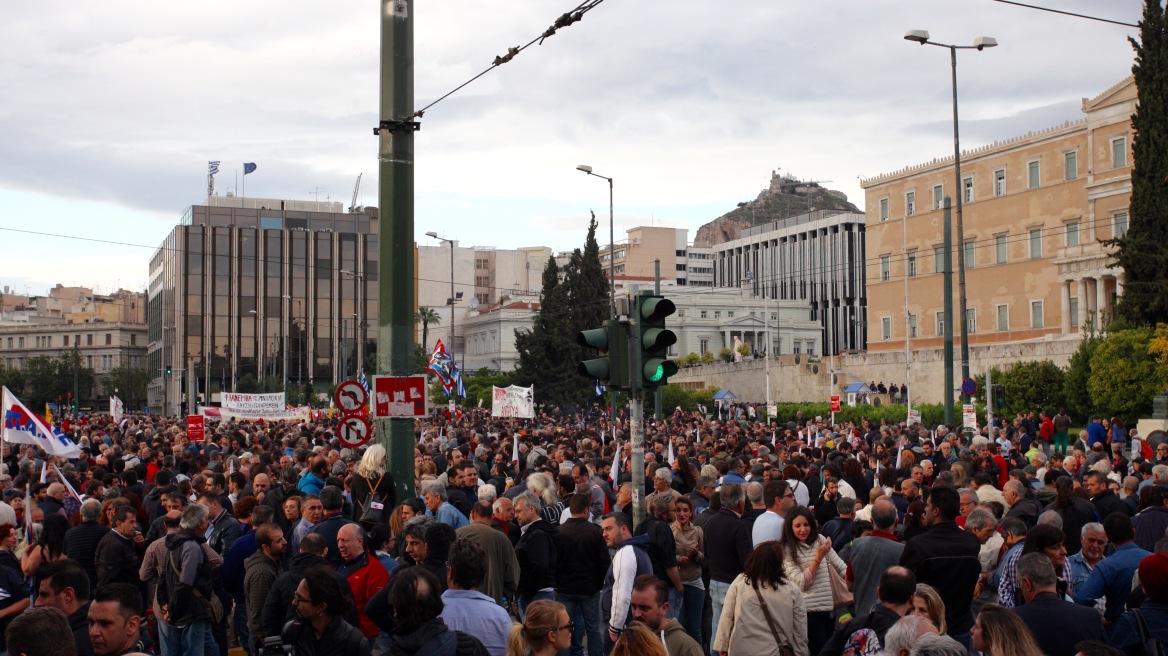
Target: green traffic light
(657,374)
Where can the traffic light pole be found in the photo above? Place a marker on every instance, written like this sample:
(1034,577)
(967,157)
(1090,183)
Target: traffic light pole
(636,421)
(989,395)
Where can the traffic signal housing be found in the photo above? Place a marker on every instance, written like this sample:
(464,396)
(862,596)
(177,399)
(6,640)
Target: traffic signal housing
(1000,397)
(655,339)
(611,366)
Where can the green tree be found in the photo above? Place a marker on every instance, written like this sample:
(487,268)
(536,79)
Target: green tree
(479,386)
(1143,252)
(1034,386)
(707,357)
(13,379)
(724,353)
(1079,403)
(127,383)
(743,350)
(426,316)
(1125,374)
(545,349)
(690,359)
(588,302)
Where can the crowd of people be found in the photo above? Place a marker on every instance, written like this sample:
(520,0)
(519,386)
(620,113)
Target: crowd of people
(522,537)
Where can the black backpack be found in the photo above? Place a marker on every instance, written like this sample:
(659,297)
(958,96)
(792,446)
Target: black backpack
(1152,646)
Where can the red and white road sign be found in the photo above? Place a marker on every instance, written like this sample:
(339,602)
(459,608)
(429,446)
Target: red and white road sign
(353,431)
(351,397)
(835,404)
(399,397)
(195,432)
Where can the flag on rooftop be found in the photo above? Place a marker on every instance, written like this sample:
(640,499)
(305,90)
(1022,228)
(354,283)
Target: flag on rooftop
(249,167)
(212,167)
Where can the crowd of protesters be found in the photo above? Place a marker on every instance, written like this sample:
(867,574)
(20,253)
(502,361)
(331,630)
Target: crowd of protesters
(518,537)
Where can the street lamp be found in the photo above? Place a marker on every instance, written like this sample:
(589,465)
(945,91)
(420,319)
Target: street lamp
(980,43)
(453,298)
(357,323)
(586,169)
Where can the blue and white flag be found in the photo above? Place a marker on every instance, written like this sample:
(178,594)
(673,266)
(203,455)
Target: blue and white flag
(249,167)
(749,276)
(364,382)
(24,427)
(212,167)
(599,388)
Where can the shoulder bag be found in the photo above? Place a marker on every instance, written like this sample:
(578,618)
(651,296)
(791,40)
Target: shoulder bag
(841,597)
(784,648)
(213,606)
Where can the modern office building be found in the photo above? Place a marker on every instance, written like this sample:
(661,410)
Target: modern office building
(261,289)
(1036,208)
(816,259)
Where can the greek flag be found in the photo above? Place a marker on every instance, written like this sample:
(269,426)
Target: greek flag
(212,167)
(599,388)
(749,276)
(364,382)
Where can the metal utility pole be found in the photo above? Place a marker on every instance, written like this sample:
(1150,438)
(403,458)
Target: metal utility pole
(636,420)
(948,332)
(395,199)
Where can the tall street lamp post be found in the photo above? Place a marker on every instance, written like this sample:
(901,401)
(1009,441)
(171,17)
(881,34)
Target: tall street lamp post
(434,235)
(611,269)
(358,324)
(980,43)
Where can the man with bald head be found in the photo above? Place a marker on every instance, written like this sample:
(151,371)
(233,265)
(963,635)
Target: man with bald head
(365,576)
(874,553)
(896,591)
(54,501)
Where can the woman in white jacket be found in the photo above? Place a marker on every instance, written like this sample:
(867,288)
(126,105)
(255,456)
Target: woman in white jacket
(804,553)
(763,614)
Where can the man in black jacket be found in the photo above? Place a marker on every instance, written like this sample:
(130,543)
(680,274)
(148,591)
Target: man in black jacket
(186,585)
(536,553)
(1057,624)
(728,543)
(118,557)
(896,590)
(81,541)
(581,543)
(946,558)
(63,584)
(333,501)
(663,548)
(278,606)
(1106,501)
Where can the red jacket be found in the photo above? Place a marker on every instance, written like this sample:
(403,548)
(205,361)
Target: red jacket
(1046,430)
(366,577)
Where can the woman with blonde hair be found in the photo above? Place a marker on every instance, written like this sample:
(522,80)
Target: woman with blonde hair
(546,629)
(928,603)
(373,491)
(999,632)
(638,640)
(764,613)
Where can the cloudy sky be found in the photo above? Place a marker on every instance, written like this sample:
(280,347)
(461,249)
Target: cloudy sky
(112,109)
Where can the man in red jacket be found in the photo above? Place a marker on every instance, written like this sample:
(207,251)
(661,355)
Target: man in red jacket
(365,576)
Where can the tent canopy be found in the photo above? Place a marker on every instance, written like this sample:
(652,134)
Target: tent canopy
(725,395)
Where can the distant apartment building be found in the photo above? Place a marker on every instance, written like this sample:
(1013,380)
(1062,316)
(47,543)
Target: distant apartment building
(816,259)
(1036,208)
(643,246)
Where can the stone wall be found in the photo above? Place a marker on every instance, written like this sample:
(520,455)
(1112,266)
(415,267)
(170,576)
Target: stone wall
(803,381)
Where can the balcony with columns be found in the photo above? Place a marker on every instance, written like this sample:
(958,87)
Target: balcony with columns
(1090,285)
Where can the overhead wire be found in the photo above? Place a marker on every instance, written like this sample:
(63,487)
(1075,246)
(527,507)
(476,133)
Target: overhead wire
(1066,13)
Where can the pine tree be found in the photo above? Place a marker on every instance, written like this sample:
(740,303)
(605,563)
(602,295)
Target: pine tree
(1143,252)
(588,306)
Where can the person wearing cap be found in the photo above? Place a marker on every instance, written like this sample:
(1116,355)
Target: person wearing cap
(1153,571)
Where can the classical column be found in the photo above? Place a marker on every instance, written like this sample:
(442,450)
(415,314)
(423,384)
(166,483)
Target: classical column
(1100,301)
(1084,304)
(1118,285)
(1066,306)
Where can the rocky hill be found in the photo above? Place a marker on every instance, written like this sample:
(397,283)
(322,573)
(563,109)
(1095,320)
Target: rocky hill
(786,196)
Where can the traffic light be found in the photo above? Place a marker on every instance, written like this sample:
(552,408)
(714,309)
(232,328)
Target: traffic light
(655,339)
(71,403)
(1000,397)
(612,366)
(167,370)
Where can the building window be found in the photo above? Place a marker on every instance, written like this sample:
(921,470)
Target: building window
(681,314)
(1073,310)
(1000,182)
(703,314)
(938,195)
(108,339)
(1119,224)
(967,189)
(1036,243)
(940,323)
(1001,249)
(970,253)
(133,339)
(89,339)
(64,340)
(717,314)
(1003,318)
(970,321)
(703,345)
(1119,152)
(885,268)
(912,325)
(1073,233)
(884,209)
(910,203)
(798,347)
(938,259)
(1033,174)
(1036,317)
(886,328)
(1071,164)
(911,264)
